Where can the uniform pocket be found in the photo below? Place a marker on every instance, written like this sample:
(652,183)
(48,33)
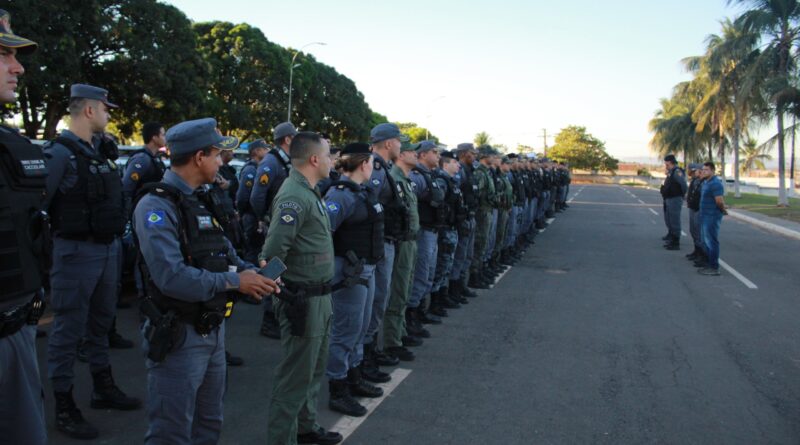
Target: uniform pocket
(65,294)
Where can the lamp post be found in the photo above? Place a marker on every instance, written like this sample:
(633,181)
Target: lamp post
(292,66)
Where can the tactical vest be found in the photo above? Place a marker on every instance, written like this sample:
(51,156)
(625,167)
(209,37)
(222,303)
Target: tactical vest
(469,189)
(363,236)
(273,189)
(93,207)
(499,189)
(671,188)
(397,215)
(519,188)
(432,212)
(23,226)
(203,245)
(457,211)
(693,196)
(154,174)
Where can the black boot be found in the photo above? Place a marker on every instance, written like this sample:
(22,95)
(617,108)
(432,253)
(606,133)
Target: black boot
(116,341)
(463,289)
(385,358)
(427,317)
(369,368)
(341,401)
(455,295)
(414,325)
(436,307)
(476,282)
(359,387)
(400,353)
(270,327)
(233,360)
(320,437)
(411,341)
(69,419)
(673,244)
(107,394)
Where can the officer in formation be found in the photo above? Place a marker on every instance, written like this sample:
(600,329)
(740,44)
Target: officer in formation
(87,210)
(190,269)
(693,204)
(22,188)
(481,276)
(673,190)
(273,169)
(357,220)
(300,236)
(253,235)
(145,165)
(460,276)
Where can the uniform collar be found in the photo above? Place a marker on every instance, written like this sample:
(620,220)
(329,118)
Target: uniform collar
(171,178)
(74,137)
(293,173)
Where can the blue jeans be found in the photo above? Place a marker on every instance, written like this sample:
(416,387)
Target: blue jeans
(710,234)
(383,281)
(425,266)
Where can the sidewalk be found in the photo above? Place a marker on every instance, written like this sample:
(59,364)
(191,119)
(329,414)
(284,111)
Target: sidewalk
(780,226)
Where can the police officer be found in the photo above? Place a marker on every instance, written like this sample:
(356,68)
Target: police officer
(386,140)
(189,267)
(456,220)
(470,190)
(271,172)
(693,203)
(673,190)
(431,191)
(395,336)
(357,224)
(84,193)
(300,236)
(253,236)
(144,165)
(24,230)
(479,275)
(505,195)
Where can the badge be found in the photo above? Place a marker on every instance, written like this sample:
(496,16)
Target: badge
(378,207)
(248,184)
(250,176)
(93,169)
(137,165)
(288,217)
(205,222)
(333,207)
(135,177)
(264,179)
(376,182)
(154,218)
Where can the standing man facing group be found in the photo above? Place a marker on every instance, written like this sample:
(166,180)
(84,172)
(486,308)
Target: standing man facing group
(673,190)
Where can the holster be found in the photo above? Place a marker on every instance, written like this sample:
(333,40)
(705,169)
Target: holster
(295,306)
(163,333)
(352,270)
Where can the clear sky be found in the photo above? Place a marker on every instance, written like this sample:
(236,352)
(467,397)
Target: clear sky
(507,67)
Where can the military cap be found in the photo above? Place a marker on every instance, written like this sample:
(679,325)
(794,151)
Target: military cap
(83,91)
(258,143)
(465,146)
(385,131)
(670,158)
(426,146)
(512,156)
(11,40)
(408,146)
(355,147)
(282,130)
(191,136)
(334,149)
(695,166)
(449,154)
(485,151)
(506,160)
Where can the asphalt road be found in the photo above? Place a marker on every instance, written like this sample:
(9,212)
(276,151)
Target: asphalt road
(598,336)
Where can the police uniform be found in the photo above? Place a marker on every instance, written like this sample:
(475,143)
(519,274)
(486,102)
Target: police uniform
(456,216)
(189,268)
(357,224)
(253,238)
(86,208)
(693,203)
(673,190)
(470,190)
(143,167)
(394,329)
(483,221)
(300,236)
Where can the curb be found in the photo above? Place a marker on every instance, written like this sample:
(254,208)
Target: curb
(765,225)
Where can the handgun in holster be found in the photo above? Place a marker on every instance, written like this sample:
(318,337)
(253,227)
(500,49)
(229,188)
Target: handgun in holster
(163,332)
(352,269)
(295,306)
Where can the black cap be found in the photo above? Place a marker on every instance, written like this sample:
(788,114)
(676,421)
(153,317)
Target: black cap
(670,158)
(449,154)
(355,148)
(258,143)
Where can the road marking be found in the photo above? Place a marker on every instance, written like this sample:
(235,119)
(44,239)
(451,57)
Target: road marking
(550,220)
(653,211)
(500,277)
(640,201)
(347,425)
(736,274)
(683,233)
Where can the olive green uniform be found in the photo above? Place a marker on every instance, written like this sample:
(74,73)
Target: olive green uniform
(483,217)
(505,197)
(300,235)
(403,271)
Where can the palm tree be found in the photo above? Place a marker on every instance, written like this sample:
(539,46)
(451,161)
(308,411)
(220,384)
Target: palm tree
(777,21)
(674,130)
(754,155)
(482,138)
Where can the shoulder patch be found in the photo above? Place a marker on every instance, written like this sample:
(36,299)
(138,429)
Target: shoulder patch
(679,172)
(135,177)
(250,175)
(263,179)
(288,217)
(333,207)
(290,205)
(137,165)
(376,182)
(154,218)
(248,184)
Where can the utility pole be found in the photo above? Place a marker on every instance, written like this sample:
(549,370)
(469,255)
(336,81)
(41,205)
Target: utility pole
(544,135)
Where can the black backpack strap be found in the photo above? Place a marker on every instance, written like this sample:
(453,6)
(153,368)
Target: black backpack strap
(349,184)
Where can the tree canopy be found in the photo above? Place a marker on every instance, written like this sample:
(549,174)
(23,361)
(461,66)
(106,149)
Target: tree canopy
(575,146)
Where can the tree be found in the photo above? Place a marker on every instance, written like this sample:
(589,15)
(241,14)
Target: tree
(482,138)
(415,132)
(581,150)
(754,155)
(675,130)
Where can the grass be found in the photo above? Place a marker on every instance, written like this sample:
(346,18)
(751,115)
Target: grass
(765,205)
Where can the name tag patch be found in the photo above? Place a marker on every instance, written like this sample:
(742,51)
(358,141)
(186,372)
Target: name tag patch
(205,222)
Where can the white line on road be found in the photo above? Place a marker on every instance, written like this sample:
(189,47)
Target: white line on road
(683,233)
(640,201)
(653,211)
(736,274)
(550,220)
(347,425)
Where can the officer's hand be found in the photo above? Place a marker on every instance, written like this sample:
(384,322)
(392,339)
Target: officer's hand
(255,285)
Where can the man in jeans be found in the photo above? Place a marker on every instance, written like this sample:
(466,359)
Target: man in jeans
(712,207)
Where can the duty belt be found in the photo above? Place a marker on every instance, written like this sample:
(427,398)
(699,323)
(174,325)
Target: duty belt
(108,239)
(12,320)
(316,290)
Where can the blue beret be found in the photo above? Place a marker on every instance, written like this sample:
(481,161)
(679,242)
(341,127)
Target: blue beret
(84,91)
(191,136)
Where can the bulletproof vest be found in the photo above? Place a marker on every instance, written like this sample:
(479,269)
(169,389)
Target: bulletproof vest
(245,204)
(225,212)
(671,188)
(432,211)
(283,159)
(364,236)
(154,174)
(23,225)
(499,188)
(469,189)
(397,215)
(94,205)
(693,196)
(547,178)
(530,184)
(457,211)
(519,187)
(203,245)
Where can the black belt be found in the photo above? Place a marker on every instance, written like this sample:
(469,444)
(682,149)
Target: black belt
(431,229)
(108,239)
(12,320)
(315,290)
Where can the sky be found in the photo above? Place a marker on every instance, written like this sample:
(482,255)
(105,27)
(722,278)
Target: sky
(509,68)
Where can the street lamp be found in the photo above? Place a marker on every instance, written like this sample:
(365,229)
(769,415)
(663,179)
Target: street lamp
(292,66)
